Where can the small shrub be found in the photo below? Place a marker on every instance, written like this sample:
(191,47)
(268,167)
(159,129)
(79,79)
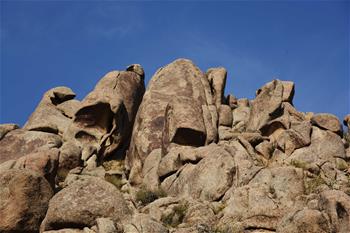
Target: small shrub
(145,196)
(176,216)
(116,180)
(299,164)
(311,185)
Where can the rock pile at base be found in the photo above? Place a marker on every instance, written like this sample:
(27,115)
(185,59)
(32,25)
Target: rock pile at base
(177,157)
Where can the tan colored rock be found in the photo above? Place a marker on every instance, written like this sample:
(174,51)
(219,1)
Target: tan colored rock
(198,213)
(105,225)
(325,146)
(103,123)
(267,102)
(288,91)
(180,78)
(18,143)
(298,136)
(247,161)
(225,115)
(217,80)
(210,117)
(67,231)
(44,162)
(265,148)
(5,128)
(82,202)
(346,121)
(304,221)
(209,179)
(327,121)
(150,170)
(47,117)
(70,157)
(337,206)
(232,101)
(24,198)
(263,202)
(183,124)
(240,117)
(69,107)
(143,223)
(227,133)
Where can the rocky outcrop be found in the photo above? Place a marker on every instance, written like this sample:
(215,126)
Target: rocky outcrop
(171,112)
(179,157)
(102,125)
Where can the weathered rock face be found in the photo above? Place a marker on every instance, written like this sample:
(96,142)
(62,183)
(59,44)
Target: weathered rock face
(48,116)
(103,124)
(5,128)
(268,197)
(82,202)
(44,162)
(180,79)
(18,143)
(178,158)
(24,198)
(266,105)
(327,121)
(209,179)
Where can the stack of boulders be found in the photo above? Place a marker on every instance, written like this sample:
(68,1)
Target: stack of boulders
(179,157)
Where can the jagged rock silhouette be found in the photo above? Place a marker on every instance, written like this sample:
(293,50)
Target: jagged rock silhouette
(179,157)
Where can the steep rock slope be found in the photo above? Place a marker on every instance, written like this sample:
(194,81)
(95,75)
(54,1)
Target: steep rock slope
(178,157)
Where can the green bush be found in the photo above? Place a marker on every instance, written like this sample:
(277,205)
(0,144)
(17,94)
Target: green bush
(176,216)
(116,180)
(145,196)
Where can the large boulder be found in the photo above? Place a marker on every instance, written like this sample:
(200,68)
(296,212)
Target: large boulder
(327,212)
(304,221)
(24,198)
(209,179)
(183,79)
(298,136)
(183,125)
(266,105)
(44,162)
(82,202)
(325,146)
(263,202)
(217,79)
(337,206)
(327,121)
(48,117)
(19,142)
(103,124)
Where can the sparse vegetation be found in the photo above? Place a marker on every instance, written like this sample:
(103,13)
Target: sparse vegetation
(299,164)
(145,196)
(117,165)
(116,180)
(311,185)
(176,216)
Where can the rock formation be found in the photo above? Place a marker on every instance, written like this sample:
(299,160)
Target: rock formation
(178,157)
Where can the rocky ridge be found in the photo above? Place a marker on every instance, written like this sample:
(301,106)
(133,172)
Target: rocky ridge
(177,157)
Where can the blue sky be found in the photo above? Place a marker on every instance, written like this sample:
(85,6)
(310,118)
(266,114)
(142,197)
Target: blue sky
(74,43)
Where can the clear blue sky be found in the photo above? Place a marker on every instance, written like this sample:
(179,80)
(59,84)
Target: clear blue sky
(74,43)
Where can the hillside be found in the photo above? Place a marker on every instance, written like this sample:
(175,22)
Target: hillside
(178,156)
